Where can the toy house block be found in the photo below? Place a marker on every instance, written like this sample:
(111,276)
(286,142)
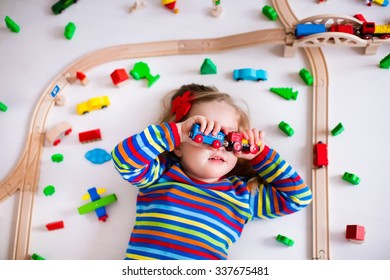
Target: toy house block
(82,78)
(208,67)
(355,232)
(119,77)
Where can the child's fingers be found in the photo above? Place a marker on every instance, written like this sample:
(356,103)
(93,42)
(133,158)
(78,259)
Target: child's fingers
(250,137)
(209,127)
(245,135)
(217,128)
(224,130)
(255,132)
(199,120)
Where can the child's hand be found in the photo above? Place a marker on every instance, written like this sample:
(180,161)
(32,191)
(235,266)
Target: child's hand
(206,126)
(254,137)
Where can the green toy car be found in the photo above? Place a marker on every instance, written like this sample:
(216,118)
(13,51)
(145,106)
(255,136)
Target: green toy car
(351,178)
(306,76)
(285,240)
(61,5)
(270,13)
(286,128)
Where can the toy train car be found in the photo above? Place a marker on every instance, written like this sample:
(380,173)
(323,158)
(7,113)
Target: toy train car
(320,154)
(366,31)
(215,141)
(345,28)
(370,29)
(233,141)
(302,30)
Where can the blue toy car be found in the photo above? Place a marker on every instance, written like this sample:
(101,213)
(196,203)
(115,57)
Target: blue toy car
(215,141)
(249,74)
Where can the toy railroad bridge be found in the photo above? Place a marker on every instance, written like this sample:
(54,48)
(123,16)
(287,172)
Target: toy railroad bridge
(336,30)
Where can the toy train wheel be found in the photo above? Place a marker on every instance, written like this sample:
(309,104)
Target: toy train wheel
(254,149)
(198,138)
(367,37)
(237,146)
(386,36)
(216,144)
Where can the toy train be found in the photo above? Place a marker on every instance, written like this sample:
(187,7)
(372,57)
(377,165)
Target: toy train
(233,141)
(365,31)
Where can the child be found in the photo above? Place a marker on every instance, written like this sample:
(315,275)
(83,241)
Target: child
(194,200)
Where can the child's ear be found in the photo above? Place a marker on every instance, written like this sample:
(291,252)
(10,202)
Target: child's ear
(177,151)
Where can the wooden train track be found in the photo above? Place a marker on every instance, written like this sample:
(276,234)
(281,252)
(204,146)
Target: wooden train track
(320,132)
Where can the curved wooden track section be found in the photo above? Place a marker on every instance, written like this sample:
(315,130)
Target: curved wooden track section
(320,133)
(24,177)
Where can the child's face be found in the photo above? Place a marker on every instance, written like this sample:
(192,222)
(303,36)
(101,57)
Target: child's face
(204,164)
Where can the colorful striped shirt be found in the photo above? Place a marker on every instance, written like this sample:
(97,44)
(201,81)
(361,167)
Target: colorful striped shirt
(181,218)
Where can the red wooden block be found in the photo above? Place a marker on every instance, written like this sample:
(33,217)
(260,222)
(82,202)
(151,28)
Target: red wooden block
(360,17)
(355,232)
(89,136)
(55,225)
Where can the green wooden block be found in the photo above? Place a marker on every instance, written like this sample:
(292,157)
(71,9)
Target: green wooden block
(3,107)
(337,130)
(11,25)
(70,29)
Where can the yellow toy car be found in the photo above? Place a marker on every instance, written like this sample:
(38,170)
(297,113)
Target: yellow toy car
(93,104)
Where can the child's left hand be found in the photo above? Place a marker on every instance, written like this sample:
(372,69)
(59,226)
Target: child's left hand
(254,137)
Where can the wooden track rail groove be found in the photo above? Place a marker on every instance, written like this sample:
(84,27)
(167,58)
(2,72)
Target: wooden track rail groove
(320,176)
(319,133)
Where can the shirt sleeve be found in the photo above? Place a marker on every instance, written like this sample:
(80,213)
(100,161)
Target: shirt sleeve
(284,191)
(137,158)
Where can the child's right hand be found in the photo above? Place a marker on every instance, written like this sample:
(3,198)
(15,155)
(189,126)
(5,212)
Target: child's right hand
(206,126)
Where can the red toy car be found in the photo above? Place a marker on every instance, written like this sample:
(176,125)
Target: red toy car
(320,154)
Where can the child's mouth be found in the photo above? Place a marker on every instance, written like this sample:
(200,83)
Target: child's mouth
(217,158)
